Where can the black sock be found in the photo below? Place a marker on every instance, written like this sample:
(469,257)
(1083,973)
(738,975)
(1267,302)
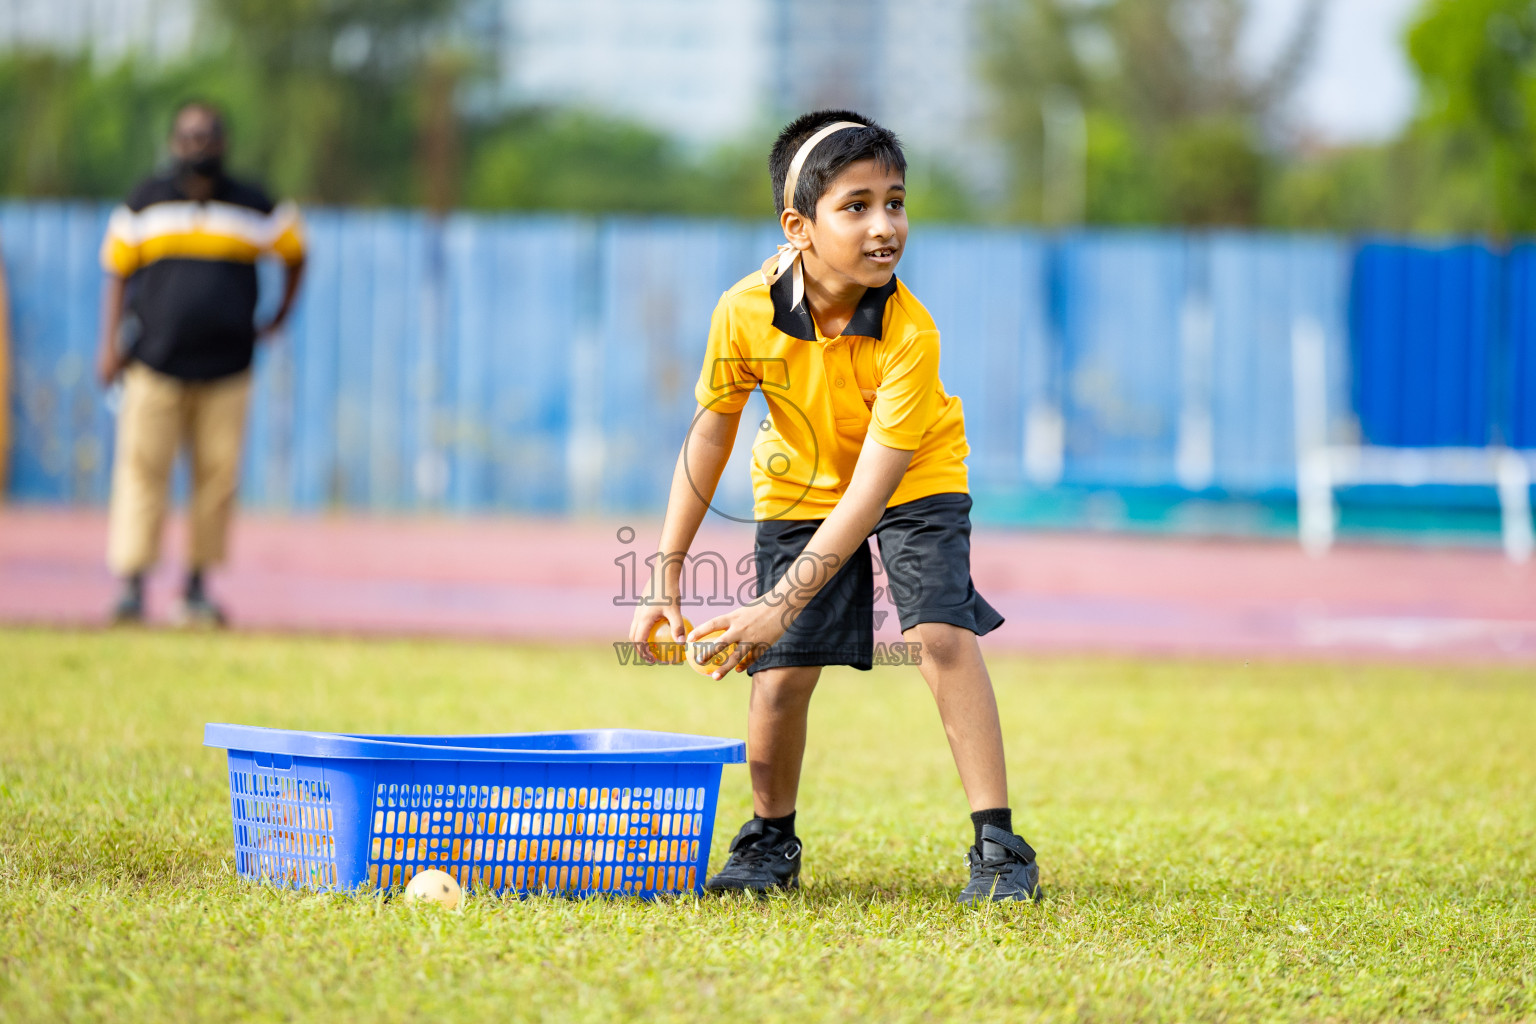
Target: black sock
(133,586)
(999,817)
(194,589)
(785,825)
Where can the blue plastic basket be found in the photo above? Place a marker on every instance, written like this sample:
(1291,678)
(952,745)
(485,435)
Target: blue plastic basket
(620,811)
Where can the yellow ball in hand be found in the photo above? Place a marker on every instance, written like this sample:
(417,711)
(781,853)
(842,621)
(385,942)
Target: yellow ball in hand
(663,646)
(700,647)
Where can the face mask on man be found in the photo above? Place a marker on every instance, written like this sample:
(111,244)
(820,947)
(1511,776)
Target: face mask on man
(206,166)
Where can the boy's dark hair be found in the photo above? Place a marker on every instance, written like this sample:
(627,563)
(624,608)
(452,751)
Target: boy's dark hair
(831,156)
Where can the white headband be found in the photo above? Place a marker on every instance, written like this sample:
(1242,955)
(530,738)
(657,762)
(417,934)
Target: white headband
(788,256)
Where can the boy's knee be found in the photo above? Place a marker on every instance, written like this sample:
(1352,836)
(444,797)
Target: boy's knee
(785,687)
(943,645)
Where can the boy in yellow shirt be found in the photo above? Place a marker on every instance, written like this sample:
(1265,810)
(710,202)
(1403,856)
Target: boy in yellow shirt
(861,439)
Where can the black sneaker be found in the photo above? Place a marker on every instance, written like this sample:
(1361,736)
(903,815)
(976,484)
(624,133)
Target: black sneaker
(128,609)
(1003,868)
(762,859)
(198,612)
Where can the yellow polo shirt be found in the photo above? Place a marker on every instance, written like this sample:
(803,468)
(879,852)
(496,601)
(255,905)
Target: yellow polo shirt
(879,378)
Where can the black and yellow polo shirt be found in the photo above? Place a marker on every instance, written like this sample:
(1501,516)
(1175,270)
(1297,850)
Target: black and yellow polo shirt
(879,378)
(191,270)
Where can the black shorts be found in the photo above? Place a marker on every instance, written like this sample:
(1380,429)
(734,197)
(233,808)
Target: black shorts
(925,551)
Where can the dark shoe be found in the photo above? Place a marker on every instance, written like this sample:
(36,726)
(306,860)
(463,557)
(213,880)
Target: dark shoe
(762,859)
(128,610)
(1003,868)
(199,612)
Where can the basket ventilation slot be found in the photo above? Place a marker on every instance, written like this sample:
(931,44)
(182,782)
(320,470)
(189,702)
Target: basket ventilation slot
(539,839)
(284,831)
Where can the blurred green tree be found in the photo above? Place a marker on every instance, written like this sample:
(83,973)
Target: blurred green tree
(339,109)
(1476,61)
(392,102)
(1175,132)
(1466,163)
(323,98)
(335,96)
(51,148)
(358,102)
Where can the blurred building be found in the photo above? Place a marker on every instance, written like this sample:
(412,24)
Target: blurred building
(111,29)
(702,71)
(708,71)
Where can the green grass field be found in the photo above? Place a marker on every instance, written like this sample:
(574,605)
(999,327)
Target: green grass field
(1219,841)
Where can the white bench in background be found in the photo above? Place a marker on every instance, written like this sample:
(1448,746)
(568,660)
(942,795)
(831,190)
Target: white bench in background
(1321,467)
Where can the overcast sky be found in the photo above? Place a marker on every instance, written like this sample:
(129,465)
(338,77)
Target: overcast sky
(1359,86)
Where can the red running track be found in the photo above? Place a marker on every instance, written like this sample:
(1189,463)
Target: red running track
(564,580)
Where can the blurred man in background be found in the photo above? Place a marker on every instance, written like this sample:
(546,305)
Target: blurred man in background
(178,327)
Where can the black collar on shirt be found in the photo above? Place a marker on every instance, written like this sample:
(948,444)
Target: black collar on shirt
(868,320)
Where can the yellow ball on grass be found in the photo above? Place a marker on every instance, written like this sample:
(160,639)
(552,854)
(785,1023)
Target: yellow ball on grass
(434,886)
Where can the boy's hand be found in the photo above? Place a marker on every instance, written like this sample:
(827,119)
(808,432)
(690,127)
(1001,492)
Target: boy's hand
(647,614)
(698,470)
(109,366)
(753,628)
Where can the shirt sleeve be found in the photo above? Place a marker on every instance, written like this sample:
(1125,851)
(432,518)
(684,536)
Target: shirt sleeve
(120,247)
(288,234)
(726,378)
(908,392)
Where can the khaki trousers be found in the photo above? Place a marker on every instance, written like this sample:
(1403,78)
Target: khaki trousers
(158,415)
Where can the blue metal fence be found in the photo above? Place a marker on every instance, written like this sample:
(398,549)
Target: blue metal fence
(60,428)
(546,364)
(1518,395)
(1425,329)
